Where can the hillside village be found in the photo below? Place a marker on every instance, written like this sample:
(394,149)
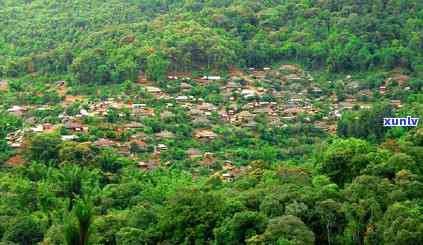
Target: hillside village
(270,97)
(230,122)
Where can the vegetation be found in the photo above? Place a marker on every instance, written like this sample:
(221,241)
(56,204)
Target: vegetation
(111,41)
(110,134)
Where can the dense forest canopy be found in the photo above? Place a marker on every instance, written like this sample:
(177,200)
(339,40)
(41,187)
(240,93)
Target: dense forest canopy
(210,122)
(112,40)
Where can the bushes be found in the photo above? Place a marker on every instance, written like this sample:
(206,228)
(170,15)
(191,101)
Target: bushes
(44,148)
(24,230)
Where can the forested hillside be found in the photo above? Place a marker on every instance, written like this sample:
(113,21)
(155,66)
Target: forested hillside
(104,41)
(126,122)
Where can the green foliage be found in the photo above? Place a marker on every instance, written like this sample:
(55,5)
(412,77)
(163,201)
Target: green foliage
(365,124)
(105,64)
(77,229)
(367,198)
(402,224)
(74,153)
(112,43)
(156,67)
(195,215)
(24,230)
(44,148)
(269,204)
(129,235)
(74,182)
(285,185)
(344,159)
(109,161)
(287,230)
(8,123)
(240,228)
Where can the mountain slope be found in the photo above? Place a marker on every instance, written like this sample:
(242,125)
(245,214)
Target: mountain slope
(48,36)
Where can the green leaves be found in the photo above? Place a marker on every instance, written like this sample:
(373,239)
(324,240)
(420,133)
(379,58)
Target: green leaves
(156,67)
(240,228)
(287,229)
(341,36)
(402,224)
(24,230)
(44,148)
(344,159)
(77,224)
(367,124)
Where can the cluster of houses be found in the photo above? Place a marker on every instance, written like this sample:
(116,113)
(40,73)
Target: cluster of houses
(293,94)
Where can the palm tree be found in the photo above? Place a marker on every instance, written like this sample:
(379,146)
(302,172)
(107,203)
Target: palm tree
(71,178)
(77,227)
